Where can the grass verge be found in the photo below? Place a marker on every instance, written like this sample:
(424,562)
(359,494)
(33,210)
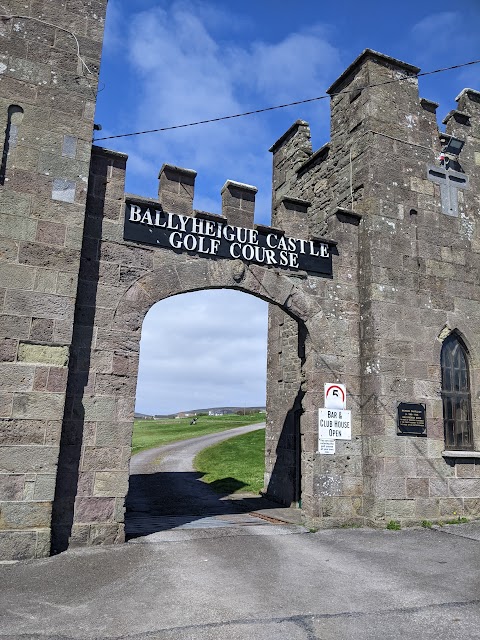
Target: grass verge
(155,433)
(236,465)
(459,520)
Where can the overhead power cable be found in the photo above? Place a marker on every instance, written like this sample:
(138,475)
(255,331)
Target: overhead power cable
(288,104)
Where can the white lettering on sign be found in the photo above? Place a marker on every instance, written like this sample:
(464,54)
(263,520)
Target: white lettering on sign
(193,243)
(215,238)
(326,446)
(135,213)
(335,423)
(335,396)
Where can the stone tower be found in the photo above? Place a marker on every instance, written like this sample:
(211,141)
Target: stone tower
(49,61)
(412,253)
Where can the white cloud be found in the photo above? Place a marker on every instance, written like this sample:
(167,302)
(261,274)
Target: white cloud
(443,39)
(436,25)
(203,349)
(297,67)
(112,39)
(434,36)
(185,72)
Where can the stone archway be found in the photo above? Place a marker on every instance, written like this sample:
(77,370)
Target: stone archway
(120,279)
(184,274)
(202,349)
(282,461)
(93,467)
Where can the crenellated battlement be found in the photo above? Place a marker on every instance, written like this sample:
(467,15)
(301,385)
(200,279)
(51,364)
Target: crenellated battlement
(379,126)
(177,187)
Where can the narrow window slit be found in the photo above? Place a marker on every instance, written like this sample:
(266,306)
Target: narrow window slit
(14,119)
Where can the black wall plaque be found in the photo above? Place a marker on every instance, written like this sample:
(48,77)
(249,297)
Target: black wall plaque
(212,239)
(411,420)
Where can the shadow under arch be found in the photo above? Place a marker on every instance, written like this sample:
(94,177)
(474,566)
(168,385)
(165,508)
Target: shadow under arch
(171,494)
(174,273)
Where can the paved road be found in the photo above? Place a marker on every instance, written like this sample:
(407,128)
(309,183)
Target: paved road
(262,582)
(167,493)
(360,584)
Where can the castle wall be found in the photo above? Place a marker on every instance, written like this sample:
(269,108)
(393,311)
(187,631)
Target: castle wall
(119,282)
(47,104)
(416,279)
(406,254)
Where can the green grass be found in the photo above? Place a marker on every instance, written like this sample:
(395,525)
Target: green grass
(236,465)
(155,433)
(394,525)
(459,520)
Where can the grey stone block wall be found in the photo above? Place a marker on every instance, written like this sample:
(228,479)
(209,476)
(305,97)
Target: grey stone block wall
(416,280)
(47,101)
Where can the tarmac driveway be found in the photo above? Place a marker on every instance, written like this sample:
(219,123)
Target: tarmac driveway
(257,583)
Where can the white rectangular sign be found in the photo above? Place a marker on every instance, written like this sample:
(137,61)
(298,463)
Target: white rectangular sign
(326,446)
(335,423)
(335,396)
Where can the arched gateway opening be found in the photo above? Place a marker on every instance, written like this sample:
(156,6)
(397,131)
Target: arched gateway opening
(283,428)
(203,355)
(102,465)
(93,472)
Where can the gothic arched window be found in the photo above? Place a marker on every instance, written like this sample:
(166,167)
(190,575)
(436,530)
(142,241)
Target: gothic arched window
(457,406)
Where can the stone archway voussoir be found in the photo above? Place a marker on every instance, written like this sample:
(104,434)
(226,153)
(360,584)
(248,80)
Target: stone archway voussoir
(193,275)
(161,283)
(316,330)
(303,305)
(267,284)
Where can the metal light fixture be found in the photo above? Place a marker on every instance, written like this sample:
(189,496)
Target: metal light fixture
(453,145)
(451,150)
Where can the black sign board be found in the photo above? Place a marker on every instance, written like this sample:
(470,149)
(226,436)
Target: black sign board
(411,420)
(210,238)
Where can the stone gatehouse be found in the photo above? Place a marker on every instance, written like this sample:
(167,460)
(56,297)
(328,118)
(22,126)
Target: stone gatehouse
(397,320)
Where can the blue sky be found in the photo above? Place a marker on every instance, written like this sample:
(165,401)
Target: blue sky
(167,63)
